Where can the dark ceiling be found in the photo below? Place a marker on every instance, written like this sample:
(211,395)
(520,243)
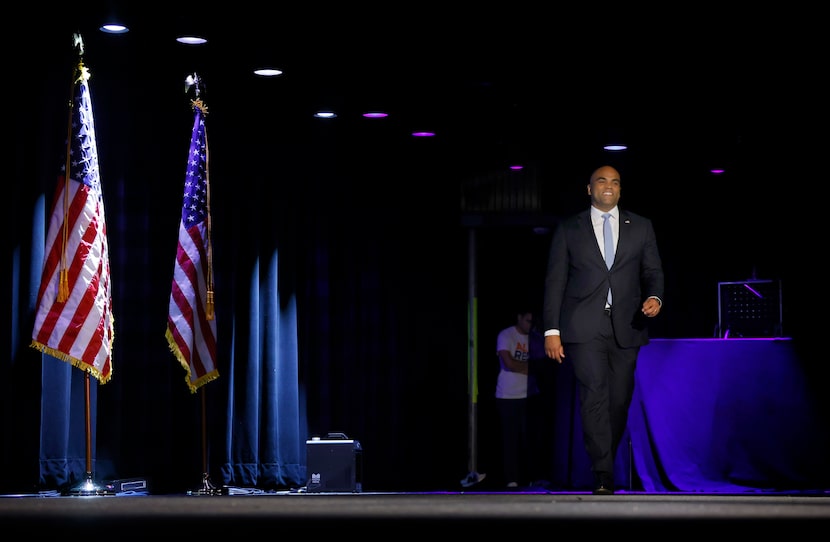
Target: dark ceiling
(688,89)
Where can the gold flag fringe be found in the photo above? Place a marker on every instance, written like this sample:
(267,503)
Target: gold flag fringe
(200,105)
(213,375)
(77,363)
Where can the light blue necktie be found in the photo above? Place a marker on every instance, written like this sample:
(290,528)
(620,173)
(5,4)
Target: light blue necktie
(608,239)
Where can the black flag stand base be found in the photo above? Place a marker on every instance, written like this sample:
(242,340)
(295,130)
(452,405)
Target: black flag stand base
(207,488)
(88,488)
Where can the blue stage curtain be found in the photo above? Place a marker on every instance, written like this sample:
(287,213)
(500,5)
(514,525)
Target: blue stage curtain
(265,437)
(63,451)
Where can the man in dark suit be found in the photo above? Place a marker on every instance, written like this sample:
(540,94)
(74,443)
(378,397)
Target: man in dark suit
(602,331)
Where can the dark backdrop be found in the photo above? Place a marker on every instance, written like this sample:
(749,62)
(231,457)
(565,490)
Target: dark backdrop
(372,245)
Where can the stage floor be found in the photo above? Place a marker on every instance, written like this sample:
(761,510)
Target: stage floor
(373,515)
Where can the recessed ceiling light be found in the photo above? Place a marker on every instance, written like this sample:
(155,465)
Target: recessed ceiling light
(114,28)
(268,72)
(375,115)
(615,147)
(423,134)
(191,40)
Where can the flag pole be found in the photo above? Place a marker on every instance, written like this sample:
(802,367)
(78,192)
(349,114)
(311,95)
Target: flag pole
(207,487)
(199,146)
(88,487)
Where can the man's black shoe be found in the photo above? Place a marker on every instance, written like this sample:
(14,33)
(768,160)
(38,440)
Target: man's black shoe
(603,489)
(603,483)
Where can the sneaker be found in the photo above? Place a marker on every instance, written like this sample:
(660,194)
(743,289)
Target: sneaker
(473,478)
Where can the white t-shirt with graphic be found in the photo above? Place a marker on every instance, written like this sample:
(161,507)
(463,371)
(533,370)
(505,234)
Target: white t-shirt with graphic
(510,385)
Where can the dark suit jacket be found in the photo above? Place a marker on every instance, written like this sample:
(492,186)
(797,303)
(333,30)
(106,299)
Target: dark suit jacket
(577,279)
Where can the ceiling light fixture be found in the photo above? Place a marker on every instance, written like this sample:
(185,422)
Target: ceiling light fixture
(114,28)
(268,72)
(191,40)
(613,139)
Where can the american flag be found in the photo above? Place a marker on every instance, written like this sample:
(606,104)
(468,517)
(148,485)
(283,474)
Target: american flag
(191,327)
(74,320)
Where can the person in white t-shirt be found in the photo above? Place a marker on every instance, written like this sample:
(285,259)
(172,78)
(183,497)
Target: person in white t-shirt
(514,389)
